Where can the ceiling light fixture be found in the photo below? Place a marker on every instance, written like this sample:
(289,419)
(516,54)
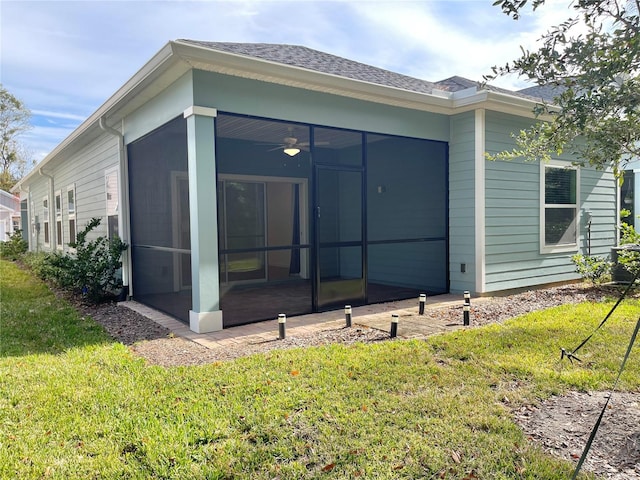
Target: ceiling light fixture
(291,151)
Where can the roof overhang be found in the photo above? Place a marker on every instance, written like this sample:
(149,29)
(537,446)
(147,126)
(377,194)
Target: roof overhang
(158,73)
(176,58)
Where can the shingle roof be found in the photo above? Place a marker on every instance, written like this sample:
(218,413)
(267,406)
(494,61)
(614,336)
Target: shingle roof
(545,93)
(454,84)
(308,58)
(304,57)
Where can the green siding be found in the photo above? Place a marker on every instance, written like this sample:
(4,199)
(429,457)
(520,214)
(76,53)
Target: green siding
(159,110)
(250,97)
(462,242)
(512,212)
(85,169)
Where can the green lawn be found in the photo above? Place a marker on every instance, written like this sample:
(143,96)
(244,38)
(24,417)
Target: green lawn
(74,404)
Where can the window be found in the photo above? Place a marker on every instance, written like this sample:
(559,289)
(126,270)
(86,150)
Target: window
(45,221)
(113,193)
(58,207)
(71,212)
(559,215)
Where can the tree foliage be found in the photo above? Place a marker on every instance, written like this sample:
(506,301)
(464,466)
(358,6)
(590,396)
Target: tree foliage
(592,60)
(14,120)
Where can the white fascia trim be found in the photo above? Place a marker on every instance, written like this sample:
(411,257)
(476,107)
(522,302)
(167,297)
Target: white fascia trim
(201,111)
(479,177)
(499,102)
(466,93)
(203,58)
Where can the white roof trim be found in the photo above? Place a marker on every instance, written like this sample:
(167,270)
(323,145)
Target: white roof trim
(187,55)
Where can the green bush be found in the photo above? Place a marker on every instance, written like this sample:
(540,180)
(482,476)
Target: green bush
(629,259)
(42,264)
(594,269)
(15,247)
(90,271)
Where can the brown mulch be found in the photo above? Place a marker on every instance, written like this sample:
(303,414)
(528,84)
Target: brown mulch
(560,425)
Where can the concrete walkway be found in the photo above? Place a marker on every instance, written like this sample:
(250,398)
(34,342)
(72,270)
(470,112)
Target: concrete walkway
(410,324)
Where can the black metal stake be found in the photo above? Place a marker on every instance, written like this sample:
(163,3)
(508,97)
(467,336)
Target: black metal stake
(467,314)
(423,301)
(394,325)
(347,315)
(467,297)
(282,326)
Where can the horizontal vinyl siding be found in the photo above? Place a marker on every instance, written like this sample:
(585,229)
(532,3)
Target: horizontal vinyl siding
(513,258)
(84,170)
(461,202)
(598,195)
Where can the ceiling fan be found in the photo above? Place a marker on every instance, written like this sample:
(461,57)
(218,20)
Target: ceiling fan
(291,146)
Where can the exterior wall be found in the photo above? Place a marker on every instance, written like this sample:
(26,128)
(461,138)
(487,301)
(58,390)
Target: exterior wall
(462,242)
(243,96)
(85,170)
(512,213)
(162,108)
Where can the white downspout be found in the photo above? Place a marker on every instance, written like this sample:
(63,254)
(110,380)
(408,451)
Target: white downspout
(123,200)
(53,226)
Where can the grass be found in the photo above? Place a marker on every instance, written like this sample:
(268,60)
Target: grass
(75,405)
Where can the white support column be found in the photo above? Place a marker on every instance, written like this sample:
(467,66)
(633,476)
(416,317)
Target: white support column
(205,315)
(480,241)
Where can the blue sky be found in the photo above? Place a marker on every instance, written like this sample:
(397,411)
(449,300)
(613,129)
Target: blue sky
(63,59)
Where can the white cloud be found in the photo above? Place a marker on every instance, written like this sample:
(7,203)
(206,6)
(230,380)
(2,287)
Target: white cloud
(445,46)
(61,115)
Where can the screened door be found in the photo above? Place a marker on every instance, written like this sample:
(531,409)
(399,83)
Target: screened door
(340,272)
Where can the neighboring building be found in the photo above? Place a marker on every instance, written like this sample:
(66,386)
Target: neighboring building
(9,215)
(257,179)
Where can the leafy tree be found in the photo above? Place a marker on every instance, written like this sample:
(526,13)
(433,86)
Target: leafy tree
(14,120)
(591,61)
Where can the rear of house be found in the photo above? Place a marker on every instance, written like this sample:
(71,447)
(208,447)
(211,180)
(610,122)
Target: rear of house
(255,179)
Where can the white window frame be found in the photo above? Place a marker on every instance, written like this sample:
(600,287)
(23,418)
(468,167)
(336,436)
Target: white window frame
(569,247)
(71,214)
(46,224)
(57,205)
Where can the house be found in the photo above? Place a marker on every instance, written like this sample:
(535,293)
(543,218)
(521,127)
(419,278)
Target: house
(10,219)
(257,179)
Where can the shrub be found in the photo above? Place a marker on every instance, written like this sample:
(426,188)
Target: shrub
(594,269)
(92,269)
(15,247)
(42,264)
(629,259)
